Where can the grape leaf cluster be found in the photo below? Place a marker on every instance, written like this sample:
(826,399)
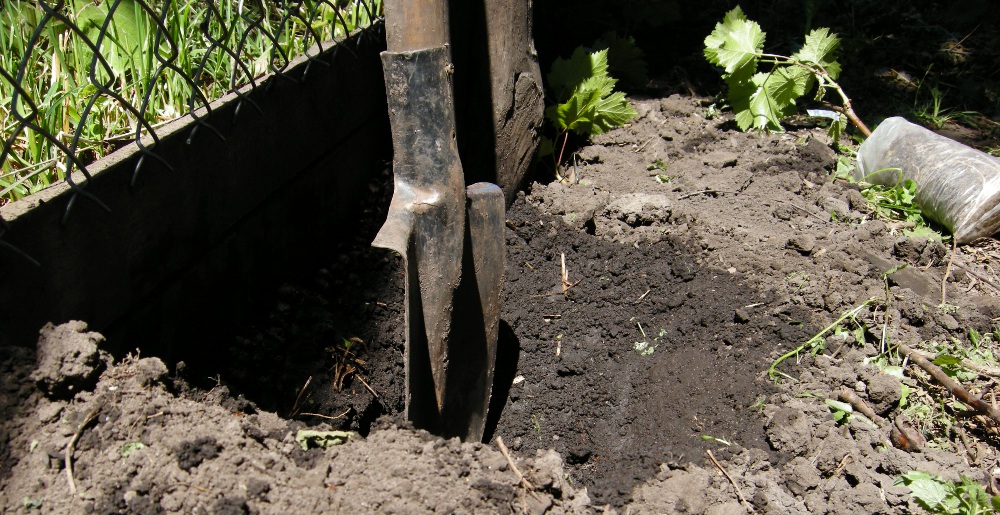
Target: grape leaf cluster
(760,99)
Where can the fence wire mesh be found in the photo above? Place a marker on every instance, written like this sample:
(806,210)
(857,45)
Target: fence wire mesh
(80,79)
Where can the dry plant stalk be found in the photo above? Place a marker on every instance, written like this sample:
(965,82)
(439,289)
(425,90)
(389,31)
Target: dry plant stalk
(956,389)
(72,447)
(296,406)
(847,395)
(520,477)
(564,276)
(348,364)
(739,492)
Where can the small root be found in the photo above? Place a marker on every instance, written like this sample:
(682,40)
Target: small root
(520,477)
(72,446)
(947,271)
(342,415)
(739,492)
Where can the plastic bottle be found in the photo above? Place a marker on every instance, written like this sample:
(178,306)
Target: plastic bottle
(957,185)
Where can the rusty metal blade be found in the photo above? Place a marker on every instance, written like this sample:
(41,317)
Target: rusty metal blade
(486,237)
(426,221)
(473,344)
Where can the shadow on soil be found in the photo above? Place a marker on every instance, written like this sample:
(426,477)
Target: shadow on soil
(576,372)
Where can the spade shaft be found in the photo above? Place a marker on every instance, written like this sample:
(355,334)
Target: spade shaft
(451,319)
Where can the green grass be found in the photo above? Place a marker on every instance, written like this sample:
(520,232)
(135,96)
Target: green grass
(54,97)
(892,204)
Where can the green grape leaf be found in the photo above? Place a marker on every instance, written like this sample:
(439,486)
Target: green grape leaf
(735,44)
(739,101)
(786,84)
(764,100)
(819,50)
(603,85)
(939,496)
(570,114)
(591,105)
(837,128)
(567,74)
(612,111)
(928,489)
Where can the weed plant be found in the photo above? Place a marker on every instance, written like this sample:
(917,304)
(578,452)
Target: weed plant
(586,100)
(894,204)
(85,77)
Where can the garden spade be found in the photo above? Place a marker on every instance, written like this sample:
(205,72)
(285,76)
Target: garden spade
(451,320)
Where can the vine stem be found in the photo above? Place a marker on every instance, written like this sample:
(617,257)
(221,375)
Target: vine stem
(847,109)
(828,82)
(953,386)
(561,150)
(773,372)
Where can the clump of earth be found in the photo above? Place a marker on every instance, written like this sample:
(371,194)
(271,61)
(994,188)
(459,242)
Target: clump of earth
(695,256)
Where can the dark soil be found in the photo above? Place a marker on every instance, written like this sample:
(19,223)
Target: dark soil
(586,391)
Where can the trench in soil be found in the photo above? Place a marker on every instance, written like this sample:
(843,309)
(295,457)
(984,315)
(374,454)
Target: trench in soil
(576,372)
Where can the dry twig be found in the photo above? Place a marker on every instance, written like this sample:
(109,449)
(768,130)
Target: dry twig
(520,477)
(844,462)
(72,446)
(847,395)
(370,389)
(298,398)
(506,454)
(706,192)
(563,280)
(947,271)
(983,370)
(739,492)
(956,389)
(978,276)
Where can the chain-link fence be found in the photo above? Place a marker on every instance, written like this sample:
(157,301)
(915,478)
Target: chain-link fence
(80,79)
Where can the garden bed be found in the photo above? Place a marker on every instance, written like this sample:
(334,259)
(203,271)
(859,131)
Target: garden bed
(696,254)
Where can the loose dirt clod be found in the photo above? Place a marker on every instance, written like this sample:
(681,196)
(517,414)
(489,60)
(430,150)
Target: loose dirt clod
(69,359)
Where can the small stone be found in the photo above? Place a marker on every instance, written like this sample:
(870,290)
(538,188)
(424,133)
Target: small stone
(948,322)
(835,206)
(47,412)
(803,243)
(150,371)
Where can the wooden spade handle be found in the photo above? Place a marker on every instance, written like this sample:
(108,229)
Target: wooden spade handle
(415,24)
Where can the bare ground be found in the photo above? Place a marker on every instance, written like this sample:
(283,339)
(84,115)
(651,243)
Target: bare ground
(743,251)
